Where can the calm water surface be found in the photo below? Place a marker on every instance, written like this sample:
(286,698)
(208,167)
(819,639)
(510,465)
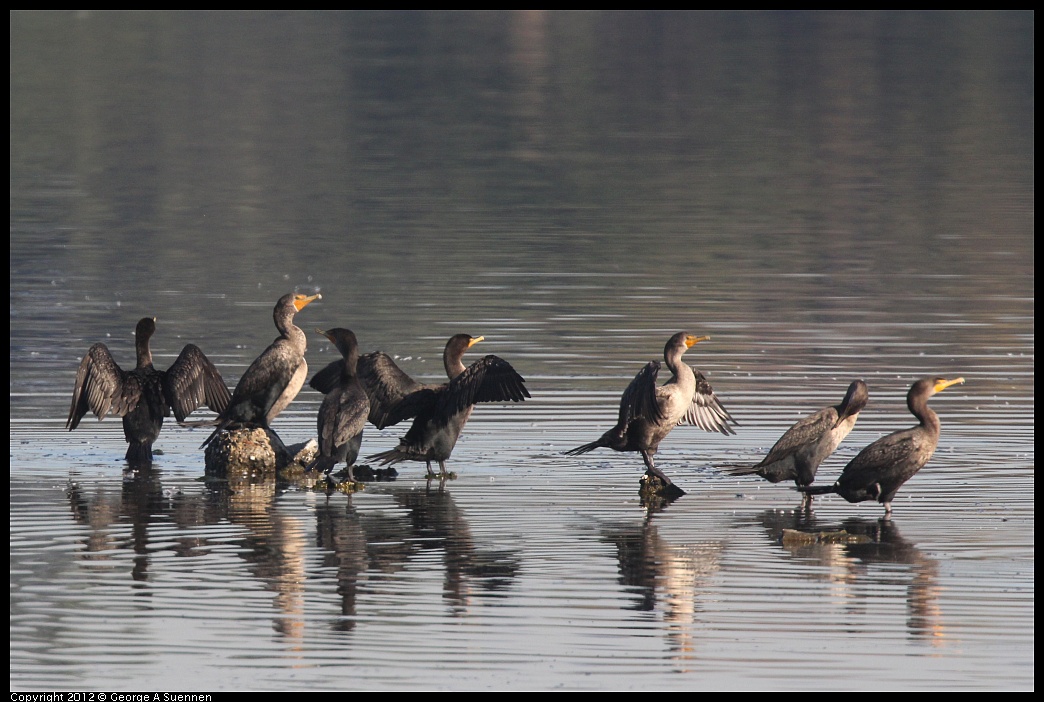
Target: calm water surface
(828,196)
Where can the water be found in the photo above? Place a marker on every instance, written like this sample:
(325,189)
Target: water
(828,196)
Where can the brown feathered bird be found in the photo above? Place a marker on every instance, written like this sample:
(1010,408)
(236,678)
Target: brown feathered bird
(439,412)
(649,412)
(343,412)
(879,470)
(275,377)
(797,454)
(145,395)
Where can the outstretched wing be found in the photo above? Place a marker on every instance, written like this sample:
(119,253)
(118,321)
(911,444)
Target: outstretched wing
(387,386)
(706,411)
(101,388)
(327,380)
(192,381)
(489,379)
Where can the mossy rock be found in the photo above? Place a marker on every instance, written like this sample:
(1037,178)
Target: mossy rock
(655,492)
(794,537)
(251,452)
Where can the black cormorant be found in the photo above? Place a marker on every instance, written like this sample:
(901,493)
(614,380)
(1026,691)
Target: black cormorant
(880,469)
(144,396)
(797,454)
(342,415)
(648,412)
(439,411)
(275,377)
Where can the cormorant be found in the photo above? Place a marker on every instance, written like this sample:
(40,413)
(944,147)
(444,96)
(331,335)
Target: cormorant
(648,412)
(880,469)
(439,411)
(342,415)
(275,377)
(144,396)
(797,454)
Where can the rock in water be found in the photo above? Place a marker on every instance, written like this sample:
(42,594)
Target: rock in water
(251,452)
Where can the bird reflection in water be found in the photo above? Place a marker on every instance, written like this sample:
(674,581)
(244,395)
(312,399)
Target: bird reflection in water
(885,545)
(275,544)
(665,576)
(859,557)
(140,503)
(358,541)
(438,523)
(355,542)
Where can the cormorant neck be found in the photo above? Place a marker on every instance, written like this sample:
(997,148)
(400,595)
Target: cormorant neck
(673,358)
(453,354)
(144,353)
(284,322)
(919,408)
(351,361)
(454,366)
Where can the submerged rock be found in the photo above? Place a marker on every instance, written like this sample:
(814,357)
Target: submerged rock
(366,474)
(794,537)
(338,482)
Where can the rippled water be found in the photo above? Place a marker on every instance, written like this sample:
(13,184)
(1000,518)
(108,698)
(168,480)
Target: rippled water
(827,196)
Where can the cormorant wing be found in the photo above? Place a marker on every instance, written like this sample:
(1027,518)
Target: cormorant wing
(101,387)
(327,380)
(639,399)
(426,400)
(387,386)
(352,409)
(192,381)
(489,379)
(806,431)
(706,411)
(886,456)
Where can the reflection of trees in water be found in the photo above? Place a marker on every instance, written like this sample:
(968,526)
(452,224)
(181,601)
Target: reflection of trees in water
(664,575)
(864,562)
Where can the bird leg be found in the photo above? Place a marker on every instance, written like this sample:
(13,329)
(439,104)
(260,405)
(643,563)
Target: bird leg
(277,443)
(647,457)
(668,486)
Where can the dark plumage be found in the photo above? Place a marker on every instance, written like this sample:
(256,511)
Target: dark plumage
(144,396)
(880,469)
(342,415)
(439,411)
(649,412)
(275,377)
(797,454)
